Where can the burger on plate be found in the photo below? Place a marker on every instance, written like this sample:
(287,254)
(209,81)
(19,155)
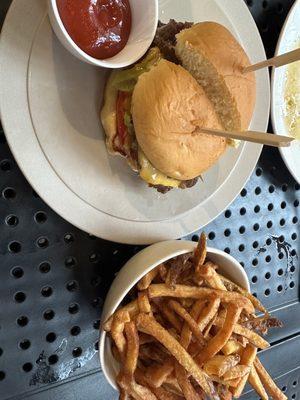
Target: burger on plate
(191,78)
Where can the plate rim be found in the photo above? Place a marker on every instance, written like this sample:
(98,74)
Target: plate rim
(274,119)
(112,228)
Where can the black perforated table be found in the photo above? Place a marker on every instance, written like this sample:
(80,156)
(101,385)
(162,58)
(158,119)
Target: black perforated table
(53,277)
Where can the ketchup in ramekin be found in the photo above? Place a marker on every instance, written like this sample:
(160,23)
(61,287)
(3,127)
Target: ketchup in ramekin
(101,28)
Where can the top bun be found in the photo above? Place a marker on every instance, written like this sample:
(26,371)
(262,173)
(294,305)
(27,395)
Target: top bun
(167,104)
(216,60)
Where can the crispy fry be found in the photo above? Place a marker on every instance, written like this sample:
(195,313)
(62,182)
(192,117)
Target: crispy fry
(255,382)
(188,319)
(200,251)
(162,270)
(145,282)
(170,315)
(268,382)
(143,302)
(224,392)
(186,386)
(253,337)
(117,330)
(150,326)
(157,374)
(206,332)
(210,275)
(236,372)
(186,333)
(161,290)
(233,383)
(232,346)
(247,358)
(138,392)
(175,271)
(132,349)
(209,312)
(145,339)
(231,286)
(132,308)
(217,342)
(219,365)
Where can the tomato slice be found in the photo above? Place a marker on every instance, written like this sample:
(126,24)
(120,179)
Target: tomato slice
(122,102)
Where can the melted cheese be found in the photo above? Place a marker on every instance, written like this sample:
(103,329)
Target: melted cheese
(152,176)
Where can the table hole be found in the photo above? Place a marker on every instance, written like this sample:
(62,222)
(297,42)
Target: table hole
(72,286)
(68,238)
(27,367)
(70,262)
(9,193)
(51,337)
(257,190)
(227,214)
(14,247)
(254,279)
(243,211)
(244,193)
(20,297)
(12,220)
(73,308)
(44,267)
(267,292)
(17,272)
(46,291)
(211,235)
(53,359)
(2,375)
(279,288)
(24,344)
(22,321)
(5,165)
(270,206)
(42,242)
(75,330)
(40,217)
(77,351)
(48,315)
(227,232)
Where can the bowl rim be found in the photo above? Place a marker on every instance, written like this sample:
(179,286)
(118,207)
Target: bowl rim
(106,63)
(175,253)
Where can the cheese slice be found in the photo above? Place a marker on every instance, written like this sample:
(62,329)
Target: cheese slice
(152,175)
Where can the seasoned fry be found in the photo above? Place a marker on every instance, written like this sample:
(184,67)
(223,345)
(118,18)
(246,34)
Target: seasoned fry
(162,270)
(186,386)
(236,372)
(132,308)
(162,290)
(143,302)
(188,319)
(268,383)
(132,349)
(153,353)
(210,275)
(209,312)
(157,374)
(232,346)
(219,365)
(200,252)
(231,286)
(170,315)
(145,282)
(253,337)
(247,358)
(117,330)
(150,326)
(233,383)
(136,391)
(186,333)
(217,342)
(255,382)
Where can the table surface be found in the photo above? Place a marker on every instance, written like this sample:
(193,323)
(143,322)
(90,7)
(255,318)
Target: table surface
(54,277)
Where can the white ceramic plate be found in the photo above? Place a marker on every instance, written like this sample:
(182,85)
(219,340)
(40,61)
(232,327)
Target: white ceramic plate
(289,39)
(50,103)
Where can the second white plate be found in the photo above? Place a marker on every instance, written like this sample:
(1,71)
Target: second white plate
(50,106)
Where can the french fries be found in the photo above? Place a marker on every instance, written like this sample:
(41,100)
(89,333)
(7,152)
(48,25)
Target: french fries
(190,334)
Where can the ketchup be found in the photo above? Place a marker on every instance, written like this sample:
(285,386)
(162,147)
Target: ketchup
(100,28)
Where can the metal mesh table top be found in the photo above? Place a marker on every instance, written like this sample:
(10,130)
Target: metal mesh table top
(54,277)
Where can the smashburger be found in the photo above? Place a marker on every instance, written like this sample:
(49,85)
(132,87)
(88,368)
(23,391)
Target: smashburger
(153,112)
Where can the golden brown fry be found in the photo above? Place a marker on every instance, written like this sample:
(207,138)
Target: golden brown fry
(268,382)
(255,382)
(247,358)
(233,383)
(188,319)
(138,392)
(132,308)
(145,339)
(132,349)
(206,332)
(145,282)
(236,372)
(117,330)
(209,312)
(143,302)
(150,326)
(210,275)
(224,392)
(253,337)
(232,346)
(157,374)
(124,395)
(184,383)
(162,290)
(231,286)
(219,365)
(215,344)
(162,270)
(186,333)
(200,251)
(170,315)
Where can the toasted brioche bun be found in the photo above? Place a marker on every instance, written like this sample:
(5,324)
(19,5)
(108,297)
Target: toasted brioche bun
(216,60)
(167,101)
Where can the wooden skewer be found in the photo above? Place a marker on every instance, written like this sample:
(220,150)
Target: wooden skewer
(252,136)
(277,61)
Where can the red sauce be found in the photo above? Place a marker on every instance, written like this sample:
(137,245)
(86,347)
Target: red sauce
(99,27)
